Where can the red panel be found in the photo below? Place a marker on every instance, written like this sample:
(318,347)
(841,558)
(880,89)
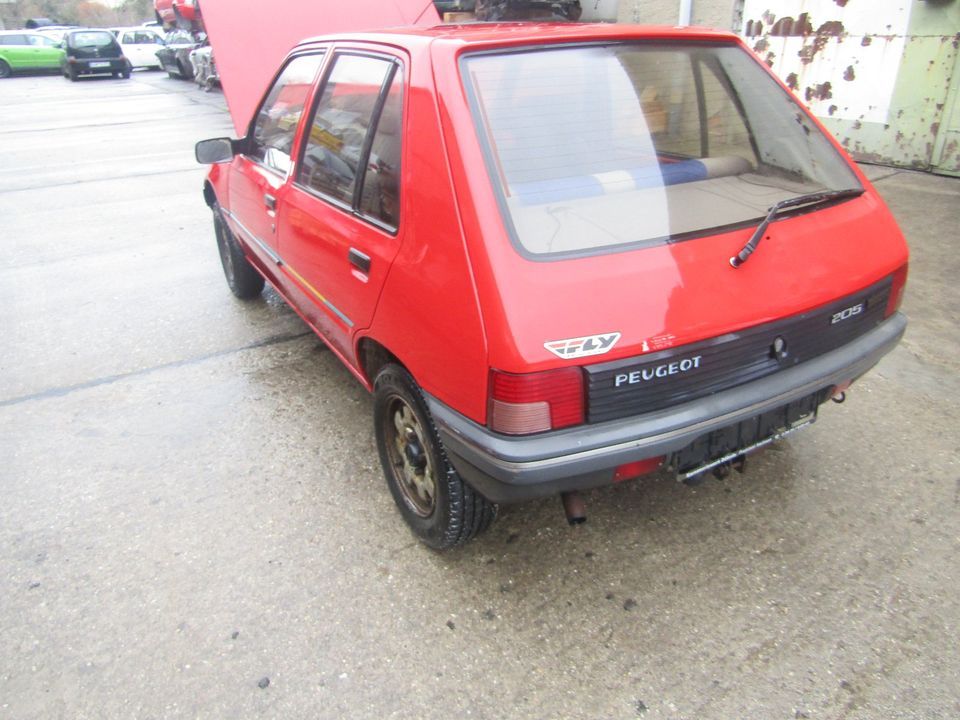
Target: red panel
(251,37)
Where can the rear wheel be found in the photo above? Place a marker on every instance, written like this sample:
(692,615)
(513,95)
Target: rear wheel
(72,73)
(242,279)
(4,69)
(440,508)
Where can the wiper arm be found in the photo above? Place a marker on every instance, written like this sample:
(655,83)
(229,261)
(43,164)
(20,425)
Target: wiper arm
(747,250)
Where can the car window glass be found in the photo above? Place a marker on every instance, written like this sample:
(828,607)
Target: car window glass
(128,37)
(147,38)
(276,123)
(13,40)
(339,126)
(380,195)
(688,136)
(91,39)
(726,132)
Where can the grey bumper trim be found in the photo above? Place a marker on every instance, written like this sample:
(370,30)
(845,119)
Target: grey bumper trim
(506,468)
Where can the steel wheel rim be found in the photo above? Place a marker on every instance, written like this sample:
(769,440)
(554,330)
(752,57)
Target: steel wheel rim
(411,463)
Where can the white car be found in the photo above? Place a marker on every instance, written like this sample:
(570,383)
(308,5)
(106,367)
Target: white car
(140,45)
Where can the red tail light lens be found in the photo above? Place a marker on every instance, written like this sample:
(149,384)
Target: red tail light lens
(535,402)
(636,469)
(896,290)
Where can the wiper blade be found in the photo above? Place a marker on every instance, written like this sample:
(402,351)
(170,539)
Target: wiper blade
(818,197)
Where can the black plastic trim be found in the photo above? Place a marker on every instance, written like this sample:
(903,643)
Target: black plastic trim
(510,469)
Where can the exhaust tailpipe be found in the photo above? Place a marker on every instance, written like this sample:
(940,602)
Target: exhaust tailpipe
(574,507)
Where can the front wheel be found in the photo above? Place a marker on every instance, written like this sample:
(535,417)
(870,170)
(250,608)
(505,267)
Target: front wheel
(441,509)
(242,279)
(4,69)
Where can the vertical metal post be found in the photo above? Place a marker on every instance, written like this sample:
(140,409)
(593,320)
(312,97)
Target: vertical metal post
(686,12)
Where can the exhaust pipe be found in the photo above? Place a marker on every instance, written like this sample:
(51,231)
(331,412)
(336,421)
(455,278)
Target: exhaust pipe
(574,507)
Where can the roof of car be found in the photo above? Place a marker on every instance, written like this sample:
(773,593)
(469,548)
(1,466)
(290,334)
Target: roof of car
(524,33)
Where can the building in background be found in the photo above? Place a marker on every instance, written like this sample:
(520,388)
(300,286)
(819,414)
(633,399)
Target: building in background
(882,75)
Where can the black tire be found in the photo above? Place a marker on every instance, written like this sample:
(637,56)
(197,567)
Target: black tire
(125,74)
(242,278)
(440,508)
(72,73)
(5,71)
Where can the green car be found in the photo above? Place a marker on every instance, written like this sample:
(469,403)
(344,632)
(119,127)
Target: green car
(25,50)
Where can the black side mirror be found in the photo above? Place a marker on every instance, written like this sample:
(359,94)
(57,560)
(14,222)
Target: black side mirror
(216,150)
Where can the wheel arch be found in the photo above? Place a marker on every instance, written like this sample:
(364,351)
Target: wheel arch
(372,356)
(209,194)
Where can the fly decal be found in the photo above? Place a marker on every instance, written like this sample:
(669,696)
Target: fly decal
(583,346)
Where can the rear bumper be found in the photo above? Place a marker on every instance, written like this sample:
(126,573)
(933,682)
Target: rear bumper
(86,66)
(511,469)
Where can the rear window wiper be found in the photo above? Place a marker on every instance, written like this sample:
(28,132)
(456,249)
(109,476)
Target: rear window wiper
(818,197)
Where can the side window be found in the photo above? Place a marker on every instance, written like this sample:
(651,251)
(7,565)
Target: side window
(355,137)
(380,196)
(276,124)
(14,40)
(128,38)
(146,38)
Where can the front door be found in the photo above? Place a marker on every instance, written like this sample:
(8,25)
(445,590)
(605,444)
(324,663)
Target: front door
(341,226)
(258,176)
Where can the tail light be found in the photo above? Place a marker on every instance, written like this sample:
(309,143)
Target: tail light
(896,290)
(535,402)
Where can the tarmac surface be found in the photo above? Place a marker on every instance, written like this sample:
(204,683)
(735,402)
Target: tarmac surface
(194,521)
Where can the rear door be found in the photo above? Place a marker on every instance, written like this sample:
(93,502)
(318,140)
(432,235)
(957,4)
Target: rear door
(341,227)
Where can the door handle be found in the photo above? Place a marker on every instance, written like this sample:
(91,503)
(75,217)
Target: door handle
(359,260)
(270,201)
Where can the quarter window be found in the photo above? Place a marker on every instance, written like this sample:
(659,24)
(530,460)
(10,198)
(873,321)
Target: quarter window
(13,40)
(355,138)
(276,124)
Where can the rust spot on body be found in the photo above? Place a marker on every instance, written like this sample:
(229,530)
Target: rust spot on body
(849,75)
(841,3)
(761,45)
(792,81)
(866,40)
(934,128)
(831,110)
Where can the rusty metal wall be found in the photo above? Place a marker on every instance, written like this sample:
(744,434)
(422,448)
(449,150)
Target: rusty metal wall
(881,74)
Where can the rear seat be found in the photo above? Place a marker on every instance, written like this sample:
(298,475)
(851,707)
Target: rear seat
(539,192)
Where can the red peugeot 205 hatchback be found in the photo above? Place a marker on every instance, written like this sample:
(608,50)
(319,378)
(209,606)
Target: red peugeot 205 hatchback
(560,256)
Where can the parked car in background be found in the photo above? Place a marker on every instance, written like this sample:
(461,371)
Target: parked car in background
(56,32)
(661,259)
(93,52)
(174,56)
(23,50)
(183,14)
(140,45)
(204,67)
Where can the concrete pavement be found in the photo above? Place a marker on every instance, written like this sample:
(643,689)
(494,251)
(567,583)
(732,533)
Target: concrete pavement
(194,521)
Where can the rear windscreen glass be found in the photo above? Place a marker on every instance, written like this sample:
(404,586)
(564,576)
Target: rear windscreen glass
(595,147)
(92,39)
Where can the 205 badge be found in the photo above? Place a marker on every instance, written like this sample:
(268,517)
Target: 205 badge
(583,346)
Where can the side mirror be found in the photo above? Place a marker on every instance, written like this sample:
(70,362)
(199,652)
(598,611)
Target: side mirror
(217,150)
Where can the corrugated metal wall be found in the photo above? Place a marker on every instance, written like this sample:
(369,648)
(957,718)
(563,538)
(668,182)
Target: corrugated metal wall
(883,75)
